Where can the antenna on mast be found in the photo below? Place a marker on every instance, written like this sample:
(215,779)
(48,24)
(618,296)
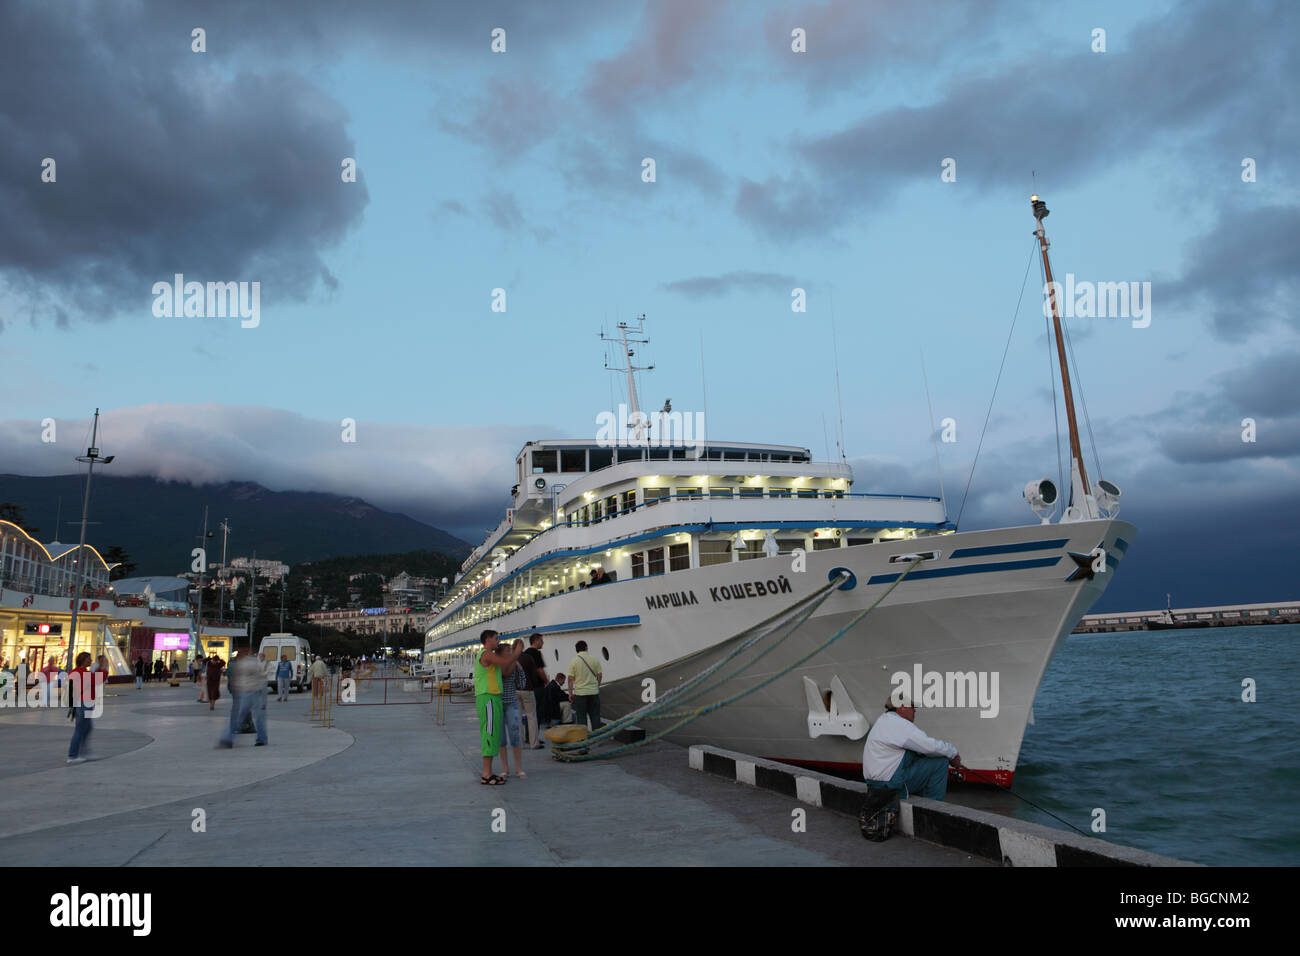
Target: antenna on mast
(839,401)
(934,437)
(1082,504)
(636,419)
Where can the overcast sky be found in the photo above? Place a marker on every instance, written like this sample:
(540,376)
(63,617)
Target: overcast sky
(774,170)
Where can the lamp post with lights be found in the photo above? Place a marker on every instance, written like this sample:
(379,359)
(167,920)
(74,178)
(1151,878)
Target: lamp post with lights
(90,458)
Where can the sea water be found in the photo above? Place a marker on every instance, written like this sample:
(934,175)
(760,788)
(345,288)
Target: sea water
(1151,728)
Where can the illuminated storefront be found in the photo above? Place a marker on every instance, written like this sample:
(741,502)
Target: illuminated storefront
(37,582)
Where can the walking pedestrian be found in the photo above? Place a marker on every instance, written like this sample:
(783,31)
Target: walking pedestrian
(259,718)
(83,697)
(283,674)
(247,681)
(139,673)
(213,678)
(534,694)
(584,687)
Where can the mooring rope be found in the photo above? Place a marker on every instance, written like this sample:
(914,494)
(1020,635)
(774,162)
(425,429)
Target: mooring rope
(560,750)
(746,638)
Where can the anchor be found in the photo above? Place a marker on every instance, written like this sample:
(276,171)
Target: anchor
(834,713)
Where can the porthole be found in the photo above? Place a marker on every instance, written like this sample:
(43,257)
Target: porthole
(604,651)
(636,649)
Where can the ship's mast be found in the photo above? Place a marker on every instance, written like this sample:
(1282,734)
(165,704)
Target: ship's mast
(636,420)
(1076,451)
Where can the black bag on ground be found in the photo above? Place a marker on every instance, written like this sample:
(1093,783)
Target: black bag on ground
(879,815)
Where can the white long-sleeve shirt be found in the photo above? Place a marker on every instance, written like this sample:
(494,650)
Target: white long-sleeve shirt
(889,737)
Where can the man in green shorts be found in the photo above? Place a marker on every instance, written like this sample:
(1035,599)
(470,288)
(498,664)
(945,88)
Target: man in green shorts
(487,698)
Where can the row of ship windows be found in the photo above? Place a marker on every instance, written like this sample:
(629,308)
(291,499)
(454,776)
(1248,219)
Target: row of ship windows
(678,556)
(609,507)
(570,460)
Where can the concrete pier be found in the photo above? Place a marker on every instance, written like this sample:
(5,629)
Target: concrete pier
(1227,615)
(384,786)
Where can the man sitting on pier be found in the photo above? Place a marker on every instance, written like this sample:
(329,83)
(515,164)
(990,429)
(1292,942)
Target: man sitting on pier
(900,756)
(487,700)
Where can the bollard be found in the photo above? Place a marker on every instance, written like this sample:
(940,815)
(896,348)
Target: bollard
(440,707)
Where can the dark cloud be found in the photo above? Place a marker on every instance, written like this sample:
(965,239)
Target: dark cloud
(1202,69)
(510,117)
(1224,441)
(164,165)
(674,38)
(452,207)
(741,281)
(1206,427)
(1252,559)
(1246,270)
(844,35)
(503,211)
(1269,386)
(455,478)
(223,165)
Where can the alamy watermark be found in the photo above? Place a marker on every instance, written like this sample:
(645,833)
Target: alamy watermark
(947,689)
(664,429)
(213,300)
(127,910)
(66,691)
(1101,300)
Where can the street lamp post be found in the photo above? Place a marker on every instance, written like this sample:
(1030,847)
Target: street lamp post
(90,458)
(203,543)
(225,533)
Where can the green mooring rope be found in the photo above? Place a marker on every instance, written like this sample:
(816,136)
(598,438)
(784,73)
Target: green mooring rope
(561,751)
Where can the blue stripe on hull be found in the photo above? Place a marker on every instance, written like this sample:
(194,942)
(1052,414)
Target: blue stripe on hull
(968,569)
(1010,548)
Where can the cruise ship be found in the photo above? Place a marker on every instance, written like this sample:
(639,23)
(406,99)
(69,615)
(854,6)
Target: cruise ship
(704,540)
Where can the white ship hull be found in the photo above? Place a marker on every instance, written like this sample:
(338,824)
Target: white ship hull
(995,601)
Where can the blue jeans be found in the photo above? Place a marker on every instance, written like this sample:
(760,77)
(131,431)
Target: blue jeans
(921,776)
(251,703)
(282,688)
(513,718)
(80,731)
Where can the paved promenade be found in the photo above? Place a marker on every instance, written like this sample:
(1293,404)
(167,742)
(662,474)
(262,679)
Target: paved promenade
(384,786)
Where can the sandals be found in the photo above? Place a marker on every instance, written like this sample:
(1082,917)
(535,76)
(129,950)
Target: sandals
(492,781)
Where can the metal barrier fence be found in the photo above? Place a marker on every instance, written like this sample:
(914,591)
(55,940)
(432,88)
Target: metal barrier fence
(322,697)
(412,690)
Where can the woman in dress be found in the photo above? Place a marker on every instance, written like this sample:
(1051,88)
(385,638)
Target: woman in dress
(214,681)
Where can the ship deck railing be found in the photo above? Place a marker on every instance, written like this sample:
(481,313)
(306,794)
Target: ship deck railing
(570,522)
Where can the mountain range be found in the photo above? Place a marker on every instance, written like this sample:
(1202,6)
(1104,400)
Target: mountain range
(158,523)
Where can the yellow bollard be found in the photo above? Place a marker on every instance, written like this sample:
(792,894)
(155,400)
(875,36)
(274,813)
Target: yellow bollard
(440,707)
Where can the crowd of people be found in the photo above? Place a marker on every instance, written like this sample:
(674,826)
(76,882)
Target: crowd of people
(158,670)
(517,699)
